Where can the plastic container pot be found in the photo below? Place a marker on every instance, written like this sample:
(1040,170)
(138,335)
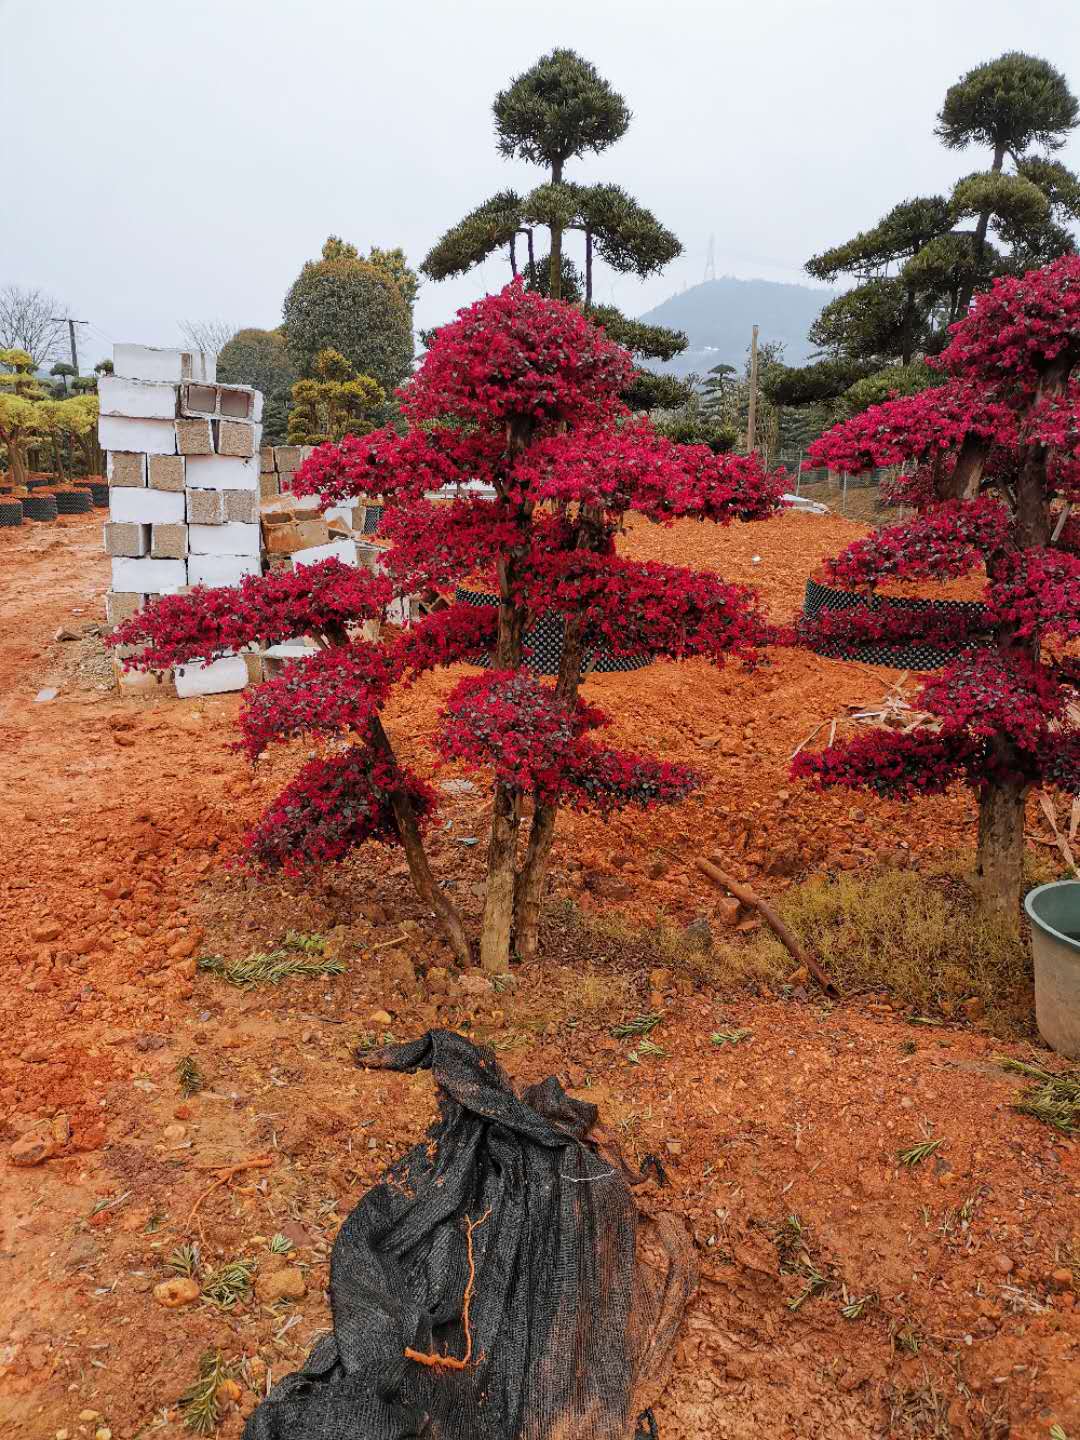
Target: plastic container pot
(1054,912)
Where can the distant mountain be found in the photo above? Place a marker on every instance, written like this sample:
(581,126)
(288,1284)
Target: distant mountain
(718,316)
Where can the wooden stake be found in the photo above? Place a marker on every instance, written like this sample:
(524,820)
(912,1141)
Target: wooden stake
(772,919)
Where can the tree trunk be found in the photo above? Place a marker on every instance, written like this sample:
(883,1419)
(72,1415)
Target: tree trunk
(529,887)
(588,269)
(555,266)
(981,227)
(1032,490)
(532,259)
(907,328)
(424,882)
(513,256)
(1000,862)
(963,483)
(496,934)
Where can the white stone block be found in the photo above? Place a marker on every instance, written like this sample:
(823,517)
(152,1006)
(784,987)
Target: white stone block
(146,507)
(222,472)
(340,512)
(343,550)
(138,399)
(215,570)
(151,437)
(217,677)
(149,362)
(150,577)
(232,538)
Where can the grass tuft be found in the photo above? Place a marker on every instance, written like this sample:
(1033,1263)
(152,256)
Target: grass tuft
(720,1038)
(189,1077)
(643,1025)
(229,1284)
(299,955)
(199,1403)
(1054,1098)
(918,1153)
(184,1260)
(920,934)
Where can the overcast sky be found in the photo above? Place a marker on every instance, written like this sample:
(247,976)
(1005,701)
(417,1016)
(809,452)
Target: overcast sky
(169,161)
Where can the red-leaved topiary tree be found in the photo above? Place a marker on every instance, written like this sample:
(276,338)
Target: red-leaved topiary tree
(519,392)
(993,464)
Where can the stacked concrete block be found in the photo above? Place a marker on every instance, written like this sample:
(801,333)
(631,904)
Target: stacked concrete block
(183,473)
(277,466)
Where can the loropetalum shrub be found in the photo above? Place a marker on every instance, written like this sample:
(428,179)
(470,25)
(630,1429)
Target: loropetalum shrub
(519,392)
(993,459)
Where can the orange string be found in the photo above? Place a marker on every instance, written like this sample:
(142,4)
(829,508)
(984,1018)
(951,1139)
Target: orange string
(448,1362)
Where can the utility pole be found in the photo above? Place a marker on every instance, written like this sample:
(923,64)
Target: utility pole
(751,418)
(70,323)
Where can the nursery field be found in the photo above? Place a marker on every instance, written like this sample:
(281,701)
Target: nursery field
(844,1291)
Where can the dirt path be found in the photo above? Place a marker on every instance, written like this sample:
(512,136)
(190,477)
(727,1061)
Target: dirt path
(115,817)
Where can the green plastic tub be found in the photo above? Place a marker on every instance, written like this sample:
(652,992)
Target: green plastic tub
(1054,912)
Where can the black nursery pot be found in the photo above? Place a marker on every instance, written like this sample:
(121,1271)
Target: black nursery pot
(545,644)
(913,655)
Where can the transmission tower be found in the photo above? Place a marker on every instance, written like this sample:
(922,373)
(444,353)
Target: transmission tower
(710,263)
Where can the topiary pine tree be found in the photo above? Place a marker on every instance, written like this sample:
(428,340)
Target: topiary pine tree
(559,110)
(994,463)
(520,392)
(918,267)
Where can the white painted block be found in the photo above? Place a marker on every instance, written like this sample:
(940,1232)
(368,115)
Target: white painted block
(138,399)
(110,467)
(222,472)
(343,550)
(217,677)
(151,577)
(150,362)
(232,538)
(146,507)
(215,570)
(151,437)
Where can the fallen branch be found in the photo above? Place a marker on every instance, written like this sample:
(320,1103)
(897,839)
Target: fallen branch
(772,919)
(448,1362)
(225,1173)
(386,944)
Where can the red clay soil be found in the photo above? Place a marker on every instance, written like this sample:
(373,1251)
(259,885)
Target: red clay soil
(116,818)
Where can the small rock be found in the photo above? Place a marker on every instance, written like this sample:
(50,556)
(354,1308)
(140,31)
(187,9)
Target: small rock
(46,931)
(658,869)
(44,696)
(437,979)
(32,1149)
(295,1233)
(1004,1264)
(65,634)
(61,1129)
(82,1251)
(286,1284)
(1061,1280)
(177,1291)
(103,1433)
(474,983)
(726,912)
(174,1133)
(659,979)
(673,1147)
(87,1415)
(457,787)
(380,1017)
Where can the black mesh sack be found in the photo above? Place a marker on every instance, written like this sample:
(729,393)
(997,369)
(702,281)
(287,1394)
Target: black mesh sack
(498,1283)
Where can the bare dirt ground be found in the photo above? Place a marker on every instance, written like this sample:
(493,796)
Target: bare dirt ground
(938,1300)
